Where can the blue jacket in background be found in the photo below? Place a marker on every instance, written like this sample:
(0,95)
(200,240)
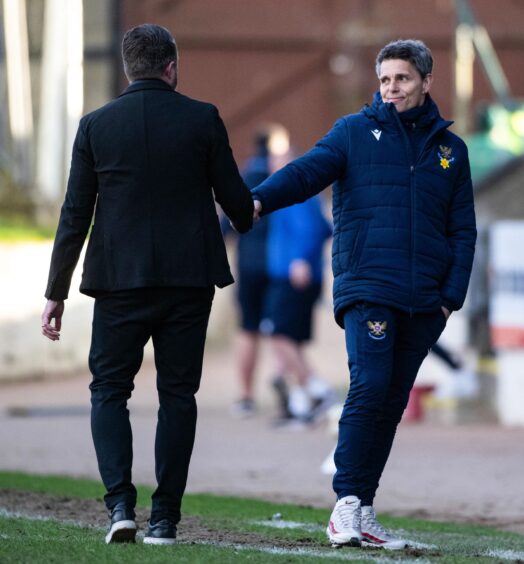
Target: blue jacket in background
(297,232)
(252,246)
(404,216)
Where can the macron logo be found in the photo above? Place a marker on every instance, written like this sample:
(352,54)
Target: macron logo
(376,133)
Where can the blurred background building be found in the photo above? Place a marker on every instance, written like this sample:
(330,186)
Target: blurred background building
(301,63)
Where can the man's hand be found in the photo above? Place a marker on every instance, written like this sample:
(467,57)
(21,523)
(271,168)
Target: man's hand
(257,208)
(53,310)
(446,312)
(300,274)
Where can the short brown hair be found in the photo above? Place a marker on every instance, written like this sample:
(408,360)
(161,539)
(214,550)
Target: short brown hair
(412,50)
(146,51)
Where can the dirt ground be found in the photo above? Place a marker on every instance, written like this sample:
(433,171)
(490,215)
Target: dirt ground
(465,473)
(190,529)
(87,512)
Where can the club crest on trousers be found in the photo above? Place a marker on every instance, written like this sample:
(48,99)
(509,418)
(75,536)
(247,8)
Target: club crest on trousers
(377,329)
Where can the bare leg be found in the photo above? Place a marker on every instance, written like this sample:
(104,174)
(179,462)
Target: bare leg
(247,353)
(291,358)
(290,355)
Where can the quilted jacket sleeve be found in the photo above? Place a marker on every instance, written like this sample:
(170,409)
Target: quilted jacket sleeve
(308,175)
(461,234)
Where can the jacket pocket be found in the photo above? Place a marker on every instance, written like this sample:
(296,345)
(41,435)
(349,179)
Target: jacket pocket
(358,245)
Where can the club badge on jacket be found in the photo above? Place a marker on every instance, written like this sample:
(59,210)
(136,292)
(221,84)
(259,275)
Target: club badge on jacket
(445,156)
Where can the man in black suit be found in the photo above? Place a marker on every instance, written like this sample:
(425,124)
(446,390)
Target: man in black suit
(147,165)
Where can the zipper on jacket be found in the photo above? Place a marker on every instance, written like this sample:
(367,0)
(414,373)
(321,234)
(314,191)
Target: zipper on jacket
(411,163)
(412,194)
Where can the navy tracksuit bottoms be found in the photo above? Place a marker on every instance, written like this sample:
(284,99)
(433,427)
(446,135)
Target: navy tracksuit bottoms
(385,348)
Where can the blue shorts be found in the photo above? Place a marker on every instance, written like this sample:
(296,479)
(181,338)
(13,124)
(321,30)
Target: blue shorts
(290,310)
(252,295)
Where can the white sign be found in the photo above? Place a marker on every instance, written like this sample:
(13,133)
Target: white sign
(507,284)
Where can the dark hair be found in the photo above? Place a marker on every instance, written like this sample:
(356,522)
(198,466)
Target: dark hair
(261,141)
(146,51)
(265,136)
(412,50)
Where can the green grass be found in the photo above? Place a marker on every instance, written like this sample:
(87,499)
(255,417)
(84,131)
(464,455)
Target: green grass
(53,485)
(26,540)
(22,231)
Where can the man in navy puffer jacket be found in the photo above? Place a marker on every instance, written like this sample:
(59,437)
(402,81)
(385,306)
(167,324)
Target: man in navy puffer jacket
(403,247)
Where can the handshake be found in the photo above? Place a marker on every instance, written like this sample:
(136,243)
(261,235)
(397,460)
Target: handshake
(257,208)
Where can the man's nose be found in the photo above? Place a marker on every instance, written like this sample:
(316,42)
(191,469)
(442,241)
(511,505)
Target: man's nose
(393,85)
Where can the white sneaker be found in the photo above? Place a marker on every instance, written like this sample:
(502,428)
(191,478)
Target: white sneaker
(467,383)
(317,387)
(374,534)
(344,523)
(462,384)
(328,465)
(299,403)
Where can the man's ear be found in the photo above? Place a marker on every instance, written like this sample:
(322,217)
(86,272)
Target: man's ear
(171,67)
(170,72)
(426,83)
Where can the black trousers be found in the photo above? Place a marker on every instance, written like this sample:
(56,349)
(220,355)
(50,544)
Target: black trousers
(176,319)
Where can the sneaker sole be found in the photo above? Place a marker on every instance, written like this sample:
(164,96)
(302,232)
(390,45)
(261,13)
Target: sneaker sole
(121,531)
(154,540)
(335,543)
(353,543)
(400,545)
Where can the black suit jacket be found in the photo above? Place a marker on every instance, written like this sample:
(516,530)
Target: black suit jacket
(148,164)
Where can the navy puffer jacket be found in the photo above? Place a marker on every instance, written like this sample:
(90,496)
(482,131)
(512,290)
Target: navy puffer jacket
(404,224)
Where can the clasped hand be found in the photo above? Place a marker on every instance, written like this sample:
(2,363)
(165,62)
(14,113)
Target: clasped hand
(257,209)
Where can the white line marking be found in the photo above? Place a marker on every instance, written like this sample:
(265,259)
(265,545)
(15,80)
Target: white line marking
(314,528)
(280,524)
(329,553)
(421,545)
(333,553)
(505,554)
(33,517)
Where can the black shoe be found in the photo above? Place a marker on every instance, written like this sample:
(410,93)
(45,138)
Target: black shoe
(321,405)
(279,384)
(162,532)
(243,408)
(123,526)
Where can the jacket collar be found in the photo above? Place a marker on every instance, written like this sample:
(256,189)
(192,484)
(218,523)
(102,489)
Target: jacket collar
(383,113)
(147,84)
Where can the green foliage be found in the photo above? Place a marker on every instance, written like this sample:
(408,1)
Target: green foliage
(20,229)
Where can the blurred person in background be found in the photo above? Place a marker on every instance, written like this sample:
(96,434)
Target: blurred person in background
(300,233)
(252,278)
(295,244)
(403,248)
(147,166)
(462,382)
